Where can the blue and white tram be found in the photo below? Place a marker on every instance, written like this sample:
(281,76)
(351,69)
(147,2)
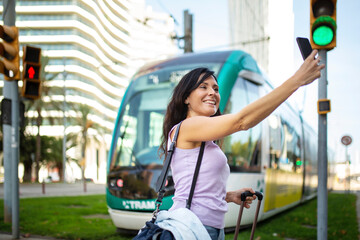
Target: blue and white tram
(277,157)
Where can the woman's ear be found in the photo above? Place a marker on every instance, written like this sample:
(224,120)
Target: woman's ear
(186,101)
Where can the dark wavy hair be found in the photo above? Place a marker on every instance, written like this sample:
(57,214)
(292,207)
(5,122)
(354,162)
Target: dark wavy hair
(177,109)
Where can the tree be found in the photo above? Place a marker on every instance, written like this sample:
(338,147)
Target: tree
(82,120)
(50,153)
(27,149)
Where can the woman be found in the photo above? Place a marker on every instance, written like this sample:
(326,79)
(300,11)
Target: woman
(195,101)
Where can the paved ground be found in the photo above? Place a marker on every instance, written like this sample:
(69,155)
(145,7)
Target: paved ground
(56,189)
(9,237)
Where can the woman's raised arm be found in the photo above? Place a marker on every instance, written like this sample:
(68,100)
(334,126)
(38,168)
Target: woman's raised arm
(197,129)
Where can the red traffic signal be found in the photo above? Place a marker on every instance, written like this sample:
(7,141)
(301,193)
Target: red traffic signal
(31,73)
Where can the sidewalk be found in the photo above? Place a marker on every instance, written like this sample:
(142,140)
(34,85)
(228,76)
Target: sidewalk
(4,236)
(29,190)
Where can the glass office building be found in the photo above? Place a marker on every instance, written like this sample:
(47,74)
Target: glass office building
(93,47)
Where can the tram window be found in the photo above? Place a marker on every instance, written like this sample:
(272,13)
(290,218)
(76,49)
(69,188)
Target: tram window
(156,123)
(243,148)
(139,135)
(255,132)
(290,159)
(276,140)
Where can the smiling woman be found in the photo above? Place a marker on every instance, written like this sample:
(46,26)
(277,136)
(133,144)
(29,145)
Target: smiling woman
(267,157)
(195,103)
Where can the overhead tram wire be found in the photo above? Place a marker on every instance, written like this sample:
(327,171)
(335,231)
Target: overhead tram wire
(255,16)
(234,44)
(166,10)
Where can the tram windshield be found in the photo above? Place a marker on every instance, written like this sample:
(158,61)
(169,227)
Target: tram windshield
(140,127)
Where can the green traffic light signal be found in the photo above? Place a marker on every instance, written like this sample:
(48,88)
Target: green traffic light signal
(323,24)
(323,35)
(323,30)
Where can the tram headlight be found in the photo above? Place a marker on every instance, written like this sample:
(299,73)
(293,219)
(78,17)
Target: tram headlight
(112,183)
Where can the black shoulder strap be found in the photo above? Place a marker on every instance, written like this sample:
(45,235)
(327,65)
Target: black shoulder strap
(160,184)
(196,174)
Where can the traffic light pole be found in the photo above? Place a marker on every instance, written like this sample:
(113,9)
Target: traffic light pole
(188,32)
(322,203)
(11,133)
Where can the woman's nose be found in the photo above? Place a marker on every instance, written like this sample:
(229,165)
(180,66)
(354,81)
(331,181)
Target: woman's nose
(211,91)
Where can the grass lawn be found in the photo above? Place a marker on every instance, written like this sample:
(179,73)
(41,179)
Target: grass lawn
(86,218)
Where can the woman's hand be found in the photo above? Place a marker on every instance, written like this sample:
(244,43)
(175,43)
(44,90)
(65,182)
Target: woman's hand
(235,197)
(309,70)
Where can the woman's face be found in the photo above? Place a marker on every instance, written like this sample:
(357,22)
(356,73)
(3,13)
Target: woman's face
(205,99)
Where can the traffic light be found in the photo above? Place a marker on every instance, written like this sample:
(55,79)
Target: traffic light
(323,24)
(31,72)
(9,51)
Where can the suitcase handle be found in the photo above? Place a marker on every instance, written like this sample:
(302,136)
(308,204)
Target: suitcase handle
(243,196)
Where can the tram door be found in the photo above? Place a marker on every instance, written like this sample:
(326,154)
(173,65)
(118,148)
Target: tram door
(284,176)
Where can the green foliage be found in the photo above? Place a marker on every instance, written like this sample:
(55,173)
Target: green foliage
(82,218)
(51,148)
(51,152)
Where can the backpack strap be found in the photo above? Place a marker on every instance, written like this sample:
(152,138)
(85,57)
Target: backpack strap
(196,174)
(160,184)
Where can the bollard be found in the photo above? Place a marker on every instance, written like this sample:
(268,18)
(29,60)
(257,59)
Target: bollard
(84,182)
(43,187)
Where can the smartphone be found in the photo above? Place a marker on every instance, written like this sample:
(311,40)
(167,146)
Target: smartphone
(304,46)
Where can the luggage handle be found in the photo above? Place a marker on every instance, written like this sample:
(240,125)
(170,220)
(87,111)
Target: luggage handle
(243,196)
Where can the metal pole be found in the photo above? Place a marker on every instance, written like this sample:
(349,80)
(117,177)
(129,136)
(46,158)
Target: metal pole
(347,175)
(11,87)
(188,32)
(64,119)
(322,203)
(7,160)
(8,17)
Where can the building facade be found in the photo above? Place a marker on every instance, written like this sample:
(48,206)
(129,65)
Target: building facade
(265,29)
(92,48)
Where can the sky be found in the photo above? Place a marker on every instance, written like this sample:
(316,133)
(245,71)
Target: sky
(211,33)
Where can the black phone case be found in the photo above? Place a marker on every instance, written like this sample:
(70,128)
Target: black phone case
(304,46)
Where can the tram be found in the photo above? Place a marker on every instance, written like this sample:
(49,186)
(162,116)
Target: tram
(277,157)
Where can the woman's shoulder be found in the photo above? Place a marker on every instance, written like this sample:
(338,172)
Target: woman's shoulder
(173,131)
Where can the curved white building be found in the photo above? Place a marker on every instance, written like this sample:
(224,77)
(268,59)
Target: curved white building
(93,48)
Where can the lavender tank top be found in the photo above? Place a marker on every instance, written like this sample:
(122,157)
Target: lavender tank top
(208,202)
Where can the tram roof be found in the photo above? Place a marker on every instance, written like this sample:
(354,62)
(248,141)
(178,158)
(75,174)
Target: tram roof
(187,58)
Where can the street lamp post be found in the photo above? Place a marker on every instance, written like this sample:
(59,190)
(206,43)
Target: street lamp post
(64,73)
